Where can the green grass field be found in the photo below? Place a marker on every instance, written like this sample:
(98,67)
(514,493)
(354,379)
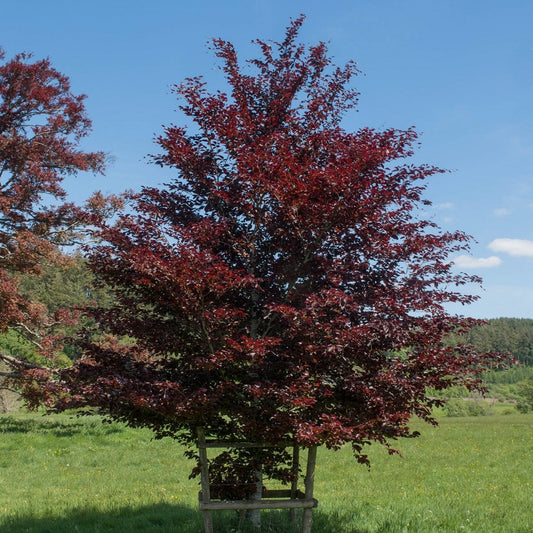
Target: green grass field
(61,474)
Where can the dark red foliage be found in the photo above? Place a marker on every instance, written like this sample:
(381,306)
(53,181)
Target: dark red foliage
(282,286)
(41,125)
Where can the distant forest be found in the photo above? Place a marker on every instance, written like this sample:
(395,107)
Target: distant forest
(513,335)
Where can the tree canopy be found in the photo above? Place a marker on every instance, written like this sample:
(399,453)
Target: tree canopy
(41,125)
(283,285)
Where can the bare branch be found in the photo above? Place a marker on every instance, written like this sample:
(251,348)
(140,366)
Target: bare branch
(16,362)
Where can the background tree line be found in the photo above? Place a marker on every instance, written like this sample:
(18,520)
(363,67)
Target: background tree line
(513,335)
(60,286)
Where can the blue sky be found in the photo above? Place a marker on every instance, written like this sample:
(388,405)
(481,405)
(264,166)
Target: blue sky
(460,71)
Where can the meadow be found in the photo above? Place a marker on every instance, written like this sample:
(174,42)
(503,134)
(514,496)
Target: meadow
(64,474)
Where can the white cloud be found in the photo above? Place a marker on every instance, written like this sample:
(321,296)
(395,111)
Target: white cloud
(467,261)
(502,212)
(445,205)
(516,247)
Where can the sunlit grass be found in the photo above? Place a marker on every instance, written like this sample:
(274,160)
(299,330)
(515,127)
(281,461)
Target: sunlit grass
(471,474)
(62,474)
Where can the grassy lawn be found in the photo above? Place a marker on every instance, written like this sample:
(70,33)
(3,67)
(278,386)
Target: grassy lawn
(61,474)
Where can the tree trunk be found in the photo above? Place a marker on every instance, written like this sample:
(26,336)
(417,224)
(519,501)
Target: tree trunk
(254,515)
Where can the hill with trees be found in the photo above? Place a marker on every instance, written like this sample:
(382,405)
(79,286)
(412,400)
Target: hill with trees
(506,335)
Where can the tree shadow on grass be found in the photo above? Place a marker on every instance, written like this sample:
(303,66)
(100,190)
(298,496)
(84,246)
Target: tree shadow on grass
(158,518)
(278,522)
(166,518)
(58,428)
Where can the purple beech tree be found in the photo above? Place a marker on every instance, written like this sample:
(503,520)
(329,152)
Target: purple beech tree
(282,286)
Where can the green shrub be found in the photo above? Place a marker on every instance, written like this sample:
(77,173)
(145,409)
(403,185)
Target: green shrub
(459,407)
(525,390)
(13,344)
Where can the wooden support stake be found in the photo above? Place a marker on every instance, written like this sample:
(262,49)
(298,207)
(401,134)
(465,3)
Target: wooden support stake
(294,484)
(294,499)
(309,485)
(204,471)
